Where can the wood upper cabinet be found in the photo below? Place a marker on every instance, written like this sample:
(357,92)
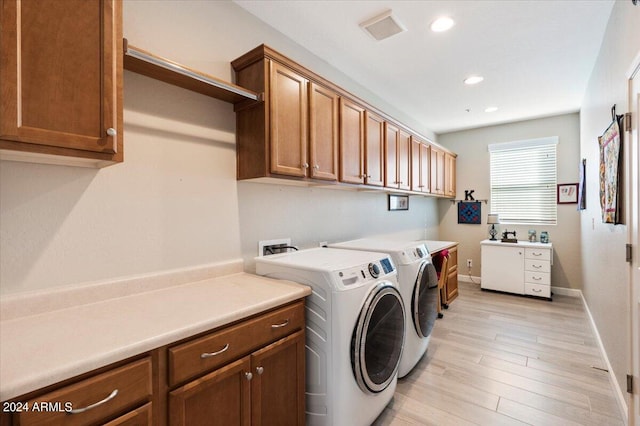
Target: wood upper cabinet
(293,132)
(323,132)
(352,120)
(61,81)
(398,157)
(288,127)
(420,165)
(437,171)
(450,175)
(374,150)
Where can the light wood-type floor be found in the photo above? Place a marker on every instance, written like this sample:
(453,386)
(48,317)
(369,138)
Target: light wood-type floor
(498,359)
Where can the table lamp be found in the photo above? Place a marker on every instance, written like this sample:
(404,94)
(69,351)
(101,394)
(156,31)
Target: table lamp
(492,219)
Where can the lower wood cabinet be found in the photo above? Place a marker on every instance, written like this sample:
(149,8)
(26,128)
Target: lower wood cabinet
(251,372)
(451,289)
(266,387)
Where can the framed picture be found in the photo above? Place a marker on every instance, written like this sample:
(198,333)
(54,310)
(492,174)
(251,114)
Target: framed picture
(398,202)
(568,193)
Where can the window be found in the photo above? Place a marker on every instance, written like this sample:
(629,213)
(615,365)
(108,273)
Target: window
(523,181)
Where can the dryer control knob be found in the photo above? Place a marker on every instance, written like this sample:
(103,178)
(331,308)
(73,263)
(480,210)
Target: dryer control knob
(374,270)
(419,251)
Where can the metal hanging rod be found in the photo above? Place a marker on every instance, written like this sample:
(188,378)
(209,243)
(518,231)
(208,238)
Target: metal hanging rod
(143,62)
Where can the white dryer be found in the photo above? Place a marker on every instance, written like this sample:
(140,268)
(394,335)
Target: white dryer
(354,330)
(418,281)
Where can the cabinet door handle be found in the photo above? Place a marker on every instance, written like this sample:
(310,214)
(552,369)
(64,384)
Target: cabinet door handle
(305,166)
(97,404)
(259,370)
(282,324)
(111,131)
(317,167)
(210,354)
(248,375)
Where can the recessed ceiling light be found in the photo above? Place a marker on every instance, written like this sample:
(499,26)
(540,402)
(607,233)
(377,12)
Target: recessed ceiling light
(474,79)
(442,24)
(491,109)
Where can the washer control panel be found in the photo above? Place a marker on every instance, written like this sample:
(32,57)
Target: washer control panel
(413,254)
(369,271)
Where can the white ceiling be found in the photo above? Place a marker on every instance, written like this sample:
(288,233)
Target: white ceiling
(535,56)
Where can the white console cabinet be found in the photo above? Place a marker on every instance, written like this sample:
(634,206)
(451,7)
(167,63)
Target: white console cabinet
(519,268)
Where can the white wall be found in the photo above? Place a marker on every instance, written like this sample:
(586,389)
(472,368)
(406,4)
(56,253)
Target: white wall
(604,270)
(173,203)
(473,173)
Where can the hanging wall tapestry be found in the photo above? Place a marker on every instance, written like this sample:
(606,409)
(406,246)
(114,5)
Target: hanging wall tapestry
(470,212)
(610,168)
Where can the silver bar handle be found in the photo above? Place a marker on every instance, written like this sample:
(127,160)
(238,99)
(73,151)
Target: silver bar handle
(104,401)
(282,324)
(210,354)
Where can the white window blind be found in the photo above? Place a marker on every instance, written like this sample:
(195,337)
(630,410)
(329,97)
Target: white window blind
(523,181)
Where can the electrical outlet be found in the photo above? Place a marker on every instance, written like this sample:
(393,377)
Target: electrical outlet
(469,263)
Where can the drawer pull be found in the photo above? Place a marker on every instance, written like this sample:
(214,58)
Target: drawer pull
(536,254)
(537,278)
(259,370)
(537,291)
(537,266)
(210,354)
(283,324)
(104,401)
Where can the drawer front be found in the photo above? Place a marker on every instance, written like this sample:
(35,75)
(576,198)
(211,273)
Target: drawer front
(537,254)
(97,395)
(542,278)
(138,417)
(537,290)
(218,348)
(537,265)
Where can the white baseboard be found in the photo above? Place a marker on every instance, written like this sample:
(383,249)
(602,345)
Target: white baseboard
(622,402)
(469,279)
(571,292)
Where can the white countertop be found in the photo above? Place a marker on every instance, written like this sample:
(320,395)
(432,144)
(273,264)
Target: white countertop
(435,246)
(523,243)
(43,349)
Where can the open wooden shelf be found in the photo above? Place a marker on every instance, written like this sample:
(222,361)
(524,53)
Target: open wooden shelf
(159,68)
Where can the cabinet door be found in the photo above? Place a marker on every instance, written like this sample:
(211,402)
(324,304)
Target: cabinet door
(420,166)
(437,171)
(351,142)
(450,175)
(452,278)
(502,268)
(374,150)
(61,84)
(323,132)
(288,121)
(404,160)
(391,135)
(222,397)
(277,388)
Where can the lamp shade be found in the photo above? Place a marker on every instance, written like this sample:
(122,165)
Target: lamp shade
(492,218)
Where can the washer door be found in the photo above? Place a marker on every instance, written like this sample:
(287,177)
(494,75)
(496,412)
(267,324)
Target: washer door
(378,339)
(424,302)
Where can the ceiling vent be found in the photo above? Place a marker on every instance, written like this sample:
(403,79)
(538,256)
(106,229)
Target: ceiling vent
(383,26)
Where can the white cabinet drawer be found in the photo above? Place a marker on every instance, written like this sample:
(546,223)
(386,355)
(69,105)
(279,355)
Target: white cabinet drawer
(542,278)
(537,265)
(538,254)
(537,290)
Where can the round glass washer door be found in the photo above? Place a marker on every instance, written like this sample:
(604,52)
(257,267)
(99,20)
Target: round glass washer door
(378,339)
(424,301)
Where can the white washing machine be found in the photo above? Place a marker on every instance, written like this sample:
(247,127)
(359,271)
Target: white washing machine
(418,281)
(354,330)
